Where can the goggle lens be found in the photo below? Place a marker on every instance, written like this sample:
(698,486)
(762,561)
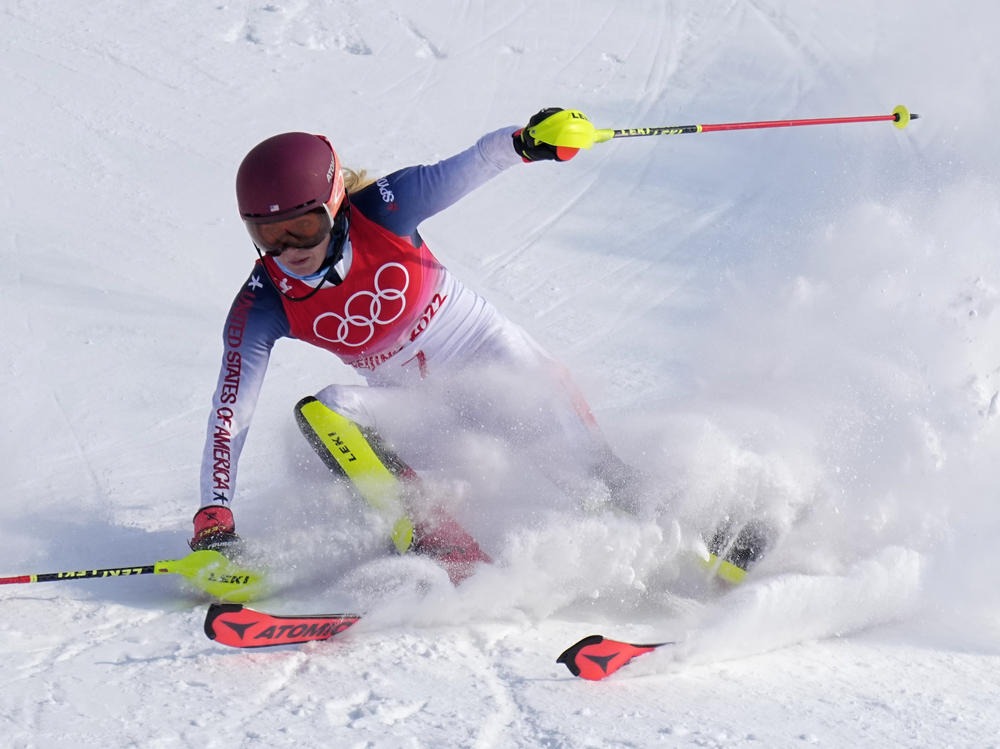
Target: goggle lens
(307,230)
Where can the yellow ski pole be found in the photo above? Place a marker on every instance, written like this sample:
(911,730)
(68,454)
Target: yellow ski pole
(208,571)
(570,128)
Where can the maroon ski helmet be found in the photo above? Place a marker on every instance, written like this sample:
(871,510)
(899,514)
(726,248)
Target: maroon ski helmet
(288,175)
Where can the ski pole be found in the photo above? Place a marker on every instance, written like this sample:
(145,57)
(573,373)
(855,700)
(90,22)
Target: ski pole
(571,129)
(207,570)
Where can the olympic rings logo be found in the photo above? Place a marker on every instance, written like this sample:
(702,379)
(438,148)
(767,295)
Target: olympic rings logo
(366,309)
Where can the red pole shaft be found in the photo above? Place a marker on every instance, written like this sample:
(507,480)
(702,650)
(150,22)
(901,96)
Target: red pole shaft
(795,123)
(16,579)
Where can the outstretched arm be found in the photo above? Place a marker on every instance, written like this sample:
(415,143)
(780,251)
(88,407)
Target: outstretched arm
(400,201)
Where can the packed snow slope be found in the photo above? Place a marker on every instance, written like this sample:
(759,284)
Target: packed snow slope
(798,324)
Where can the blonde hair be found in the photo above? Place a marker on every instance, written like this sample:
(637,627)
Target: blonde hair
(355,180)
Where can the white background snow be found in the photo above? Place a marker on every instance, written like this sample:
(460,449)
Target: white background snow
(802,323)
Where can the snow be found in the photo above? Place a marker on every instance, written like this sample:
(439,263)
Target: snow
(802,323)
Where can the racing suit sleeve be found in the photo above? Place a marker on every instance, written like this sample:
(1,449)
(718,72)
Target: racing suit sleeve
(255,321)
(401,200)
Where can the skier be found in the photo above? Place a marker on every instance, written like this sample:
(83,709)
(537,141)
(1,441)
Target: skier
(342,266)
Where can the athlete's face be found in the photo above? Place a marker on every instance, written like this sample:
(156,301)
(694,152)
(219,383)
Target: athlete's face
(304,261)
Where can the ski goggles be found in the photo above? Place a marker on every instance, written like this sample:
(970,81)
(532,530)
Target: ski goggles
(299,232)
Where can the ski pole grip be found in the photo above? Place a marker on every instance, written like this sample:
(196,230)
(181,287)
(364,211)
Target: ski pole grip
(567,128)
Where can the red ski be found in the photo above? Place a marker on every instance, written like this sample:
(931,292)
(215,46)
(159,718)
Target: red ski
(239,627)
(595,657)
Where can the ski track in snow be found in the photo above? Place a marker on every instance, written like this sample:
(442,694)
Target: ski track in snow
(800,323)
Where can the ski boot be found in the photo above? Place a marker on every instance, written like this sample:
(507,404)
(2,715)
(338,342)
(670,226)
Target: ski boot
(384,481)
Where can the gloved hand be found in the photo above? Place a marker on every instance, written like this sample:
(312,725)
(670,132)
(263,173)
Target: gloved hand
(215,530)
(530,149)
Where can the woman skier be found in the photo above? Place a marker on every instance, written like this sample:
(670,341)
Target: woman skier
(343,267)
